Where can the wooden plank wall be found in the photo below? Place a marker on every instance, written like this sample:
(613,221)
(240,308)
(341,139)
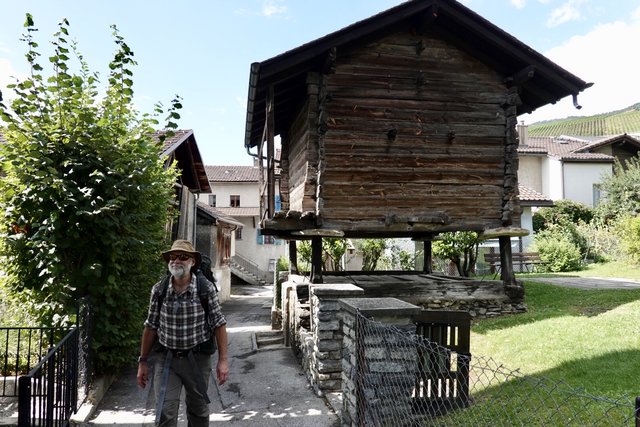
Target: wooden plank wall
(414,128)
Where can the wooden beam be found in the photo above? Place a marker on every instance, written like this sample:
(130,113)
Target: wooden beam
(316,260)
(293,257)
(521,76)
(271,199)
(506,263)
(428,257)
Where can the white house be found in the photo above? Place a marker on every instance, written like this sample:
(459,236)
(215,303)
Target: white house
(570,167)
(235,192)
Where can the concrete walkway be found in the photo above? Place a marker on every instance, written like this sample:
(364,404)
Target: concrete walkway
(266,386)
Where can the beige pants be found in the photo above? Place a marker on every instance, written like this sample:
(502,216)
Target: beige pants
(181,373)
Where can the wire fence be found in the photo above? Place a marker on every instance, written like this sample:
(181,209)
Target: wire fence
(435,386)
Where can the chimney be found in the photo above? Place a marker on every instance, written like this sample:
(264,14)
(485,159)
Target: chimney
(523,134)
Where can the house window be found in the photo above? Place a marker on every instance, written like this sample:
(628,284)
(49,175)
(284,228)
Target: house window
(234,201)
(265,240)
(238,233)
(597,194)
(212,200)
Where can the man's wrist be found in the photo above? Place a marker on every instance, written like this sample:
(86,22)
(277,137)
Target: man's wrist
(142,359)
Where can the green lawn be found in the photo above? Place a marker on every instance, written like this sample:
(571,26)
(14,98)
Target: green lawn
(610,269)
(569,339)
(587,338)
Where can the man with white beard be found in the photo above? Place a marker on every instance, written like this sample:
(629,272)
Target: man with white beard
(184,318)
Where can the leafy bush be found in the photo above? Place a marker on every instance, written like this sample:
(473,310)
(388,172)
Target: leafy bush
(621,191)
(603,243)
(85,196)
(629,231)
(557,251)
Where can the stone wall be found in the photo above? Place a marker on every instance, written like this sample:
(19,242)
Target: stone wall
(312,316)
(375,375)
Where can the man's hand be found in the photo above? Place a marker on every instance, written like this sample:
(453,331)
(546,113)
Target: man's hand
(143,374)
(222,371)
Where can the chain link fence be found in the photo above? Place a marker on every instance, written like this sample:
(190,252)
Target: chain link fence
(435,386)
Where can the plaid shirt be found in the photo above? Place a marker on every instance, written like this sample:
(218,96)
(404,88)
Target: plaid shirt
(180,322)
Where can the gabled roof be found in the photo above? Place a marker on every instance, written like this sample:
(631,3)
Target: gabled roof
(541,80)
(530,197)
(608,140)
(217,216)
(233,173)
(182,146)
(566,148)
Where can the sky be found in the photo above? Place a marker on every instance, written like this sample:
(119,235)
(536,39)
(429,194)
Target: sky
(202,50)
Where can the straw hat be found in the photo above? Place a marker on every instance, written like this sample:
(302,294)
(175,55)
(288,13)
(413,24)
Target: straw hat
(183,246)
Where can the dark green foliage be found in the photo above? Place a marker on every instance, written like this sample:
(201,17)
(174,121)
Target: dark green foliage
(563,212)
(85,196)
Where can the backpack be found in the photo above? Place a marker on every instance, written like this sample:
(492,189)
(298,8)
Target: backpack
(205,268)
(208,346)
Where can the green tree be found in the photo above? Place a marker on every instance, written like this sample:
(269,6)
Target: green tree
(621,191)
(372,250)
(85,196)
(334,249)
(461,247)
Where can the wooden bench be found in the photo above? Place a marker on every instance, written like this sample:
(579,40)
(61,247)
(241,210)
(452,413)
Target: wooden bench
(528,260)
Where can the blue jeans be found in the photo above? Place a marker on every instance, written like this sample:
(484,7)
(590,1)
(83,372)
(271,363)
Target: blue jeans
(181,374)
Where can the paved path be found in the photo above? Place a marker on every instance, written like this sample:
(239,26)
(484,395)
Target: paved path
(587,282)
(266,386)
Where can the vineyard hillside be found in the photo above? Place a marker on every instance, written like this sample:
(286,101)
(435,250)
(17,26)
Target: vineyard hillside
(618,122)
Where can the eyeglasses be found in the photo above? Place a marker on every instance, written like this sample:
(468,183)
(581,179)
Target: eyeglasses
(180,257)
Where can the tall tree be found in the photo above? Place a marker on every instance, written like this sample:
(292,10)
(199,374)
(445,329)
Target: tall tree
(85,196)
(461,247)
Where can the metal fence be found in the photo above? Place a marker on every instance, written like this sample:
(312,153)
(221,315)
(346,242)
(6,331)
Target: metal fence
(20,350)
(48,394)
(496,395)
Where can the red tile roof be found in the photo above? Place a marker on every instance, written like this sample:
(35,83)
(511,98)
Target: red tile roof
(530,197)
(565,148)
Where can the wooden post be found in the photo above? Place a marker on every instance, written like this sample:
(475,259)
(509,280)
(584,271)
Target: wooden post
(271,196)
(427,257)
(293,257)
(316,260)
(506,264)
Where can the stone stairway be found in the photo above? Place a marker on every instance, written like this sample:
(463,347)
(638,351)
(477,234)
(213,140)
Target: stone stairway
(246,275)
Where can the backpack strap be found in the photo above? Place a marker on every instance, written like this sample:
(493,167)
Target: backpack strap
(203,292)
(164,285)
